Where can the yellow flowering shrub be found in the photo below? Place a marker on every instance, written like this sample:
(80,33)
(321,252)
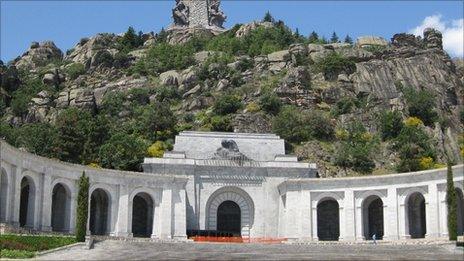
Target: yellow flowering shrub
(426,163)
(94,165)
(413,122)
(253,107)
(341,134)
(156,150)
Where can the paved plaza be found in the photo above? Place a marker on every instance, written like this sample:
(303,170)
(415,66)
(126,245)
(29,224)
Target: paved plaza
(118,250)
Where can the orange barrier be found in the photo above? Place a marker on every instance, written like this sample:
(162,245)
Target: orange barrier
(238,240)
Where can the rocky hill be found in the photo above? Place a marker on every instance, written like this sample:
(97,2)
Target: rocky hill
(375,106)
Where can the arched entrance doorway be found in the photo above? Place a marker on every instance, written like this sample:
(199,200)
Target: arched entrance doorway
(3,194)
(240,202)
(228,218)
(460,211)
(99,212)
(328,220)
(373,217)
(142,215)
(27,202)
(416,215)
(61,208)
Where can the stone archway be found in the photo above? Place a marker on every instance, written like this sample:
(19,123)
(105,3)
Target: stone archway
(61,208)
(3,195)
(99,212)
(328,220)
(460,211)
(142,215)
(373,222)
(241,199)
(27,202)
(416,215)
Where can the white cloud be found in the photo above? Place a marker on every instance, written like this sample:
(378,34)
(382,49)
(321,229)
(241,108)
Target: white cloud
(453,33)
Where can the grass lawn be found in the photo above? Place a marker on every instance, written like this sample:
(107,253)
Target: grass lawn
(19,246)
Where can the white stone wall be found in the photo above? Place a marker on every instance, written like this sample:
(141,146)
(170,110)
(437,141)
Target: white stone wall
(167,193)
(303,196)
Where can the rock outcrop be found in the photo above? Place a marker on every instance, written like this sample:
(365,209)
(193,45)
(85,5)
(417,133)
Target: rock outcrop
(39,54)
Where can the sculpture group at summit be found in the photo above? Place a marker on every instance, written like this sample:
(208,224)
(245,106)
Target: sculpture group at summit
(231,183)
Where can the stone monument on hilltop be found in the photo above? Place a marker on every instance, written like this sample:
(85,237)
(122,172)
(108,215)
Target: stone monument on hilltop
(198,14)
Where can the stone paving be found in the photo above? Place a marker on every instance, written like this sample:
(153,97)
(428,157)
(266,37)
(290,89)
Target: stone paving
(120,250)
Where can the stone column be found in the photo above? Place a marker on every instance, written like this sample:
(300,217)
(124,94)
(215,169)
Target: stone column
(390,215)
(314,221)
(123,228)
(293,214)
(16,199)
(47,202)
(166,214)
(443,211)
(39,199)
(431,212)
(359,224)
(73,207)
(348,224)
(179,215)
(10,195)
(403,221)
(305,215)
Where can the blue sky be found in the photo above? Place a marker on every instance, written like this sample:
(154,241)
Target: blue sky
(65,22)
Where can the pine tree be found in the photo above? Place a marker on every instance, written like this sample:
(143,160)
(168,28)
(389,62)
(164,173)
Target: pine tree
(334,38)
(451,204)
(348,39)
(82,208)
(268,17)
(313,37)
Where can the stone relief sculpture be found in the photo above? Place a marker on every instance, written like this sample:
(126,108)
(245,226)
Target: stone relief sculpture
(180,13)
(216,16)
(230,151)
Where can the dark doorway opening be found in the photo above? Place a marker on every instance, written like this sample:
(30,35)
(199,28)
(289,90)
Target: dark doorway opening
(416,215)
(328,220)
(373,215)
(99,212)
(142,215)
(228,218)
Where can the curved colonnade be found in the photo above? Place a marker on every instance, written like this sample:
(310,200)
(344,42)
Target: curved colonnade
(40,194)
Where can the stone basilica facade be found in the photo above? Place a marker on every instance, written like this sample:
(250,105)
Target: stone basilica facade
(239,184)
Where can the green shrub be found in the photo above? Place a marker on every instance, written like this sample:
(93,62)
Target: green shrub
(356,148)
(33,243)
(289,124)
(156,121)
(130,40)
(112,103)
(421,104)
(343,106)
(390,124)
(121,60)
(103,58)
(270,103)
(123,152)
(82,208)
(412,144)
(166,93)
(221,123)
(75,70)
(39,138)
(227,104)
(23,254)
(333,64)
(80,135)
(320,125)
(164,57)
(20,103)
